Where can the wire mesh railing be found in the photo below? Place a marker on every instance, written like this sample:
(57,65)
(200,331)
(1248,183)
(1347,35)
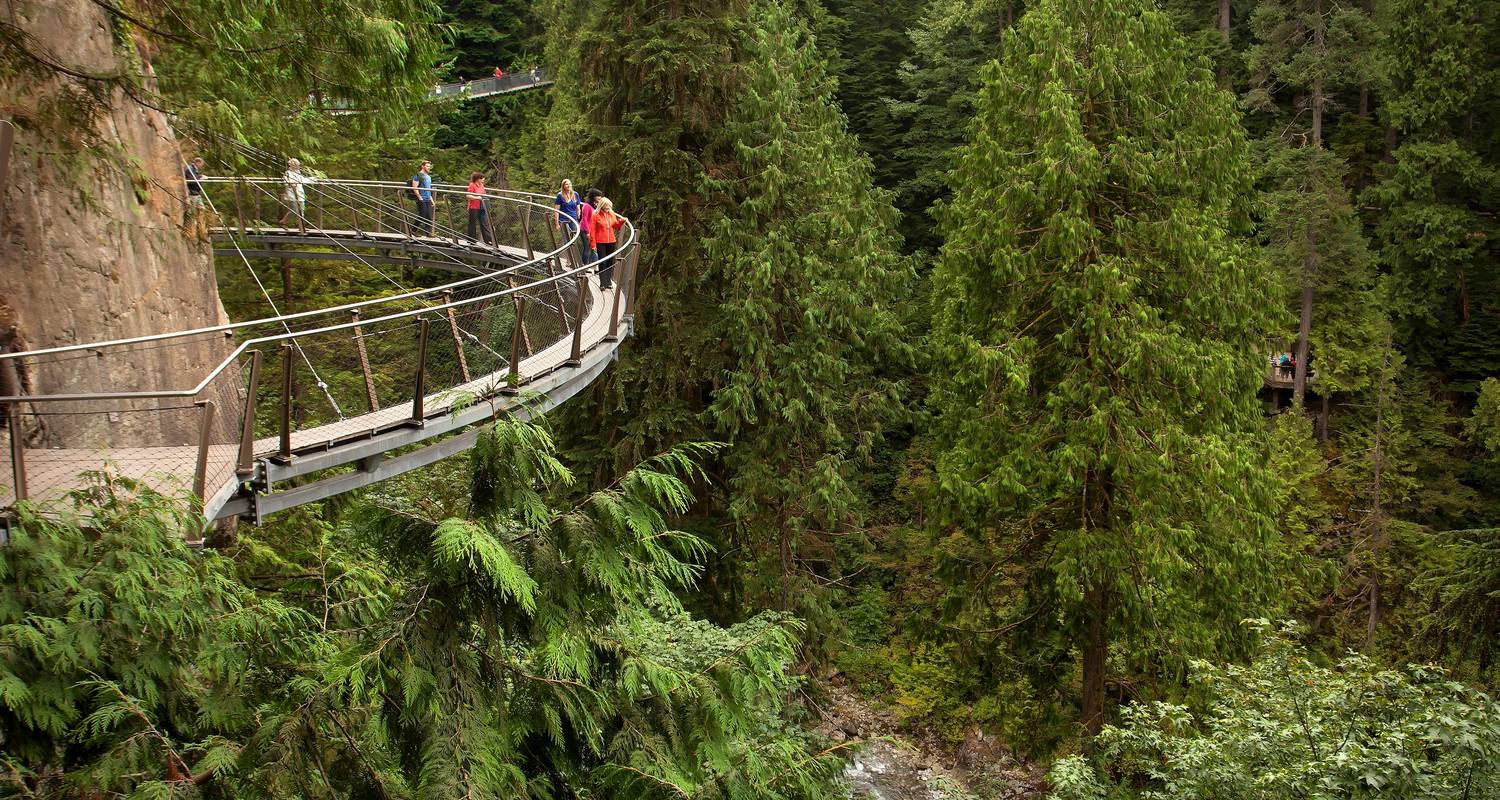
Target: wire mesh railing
(519,305)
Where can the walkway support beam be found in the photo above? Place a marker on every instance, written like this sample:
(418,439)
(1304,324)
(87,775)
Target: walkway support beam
(419,390)
(205,433)
(17,450)
(513,378)
(577,354)
(458,342)
(364,363)
(245,465)
(285,450)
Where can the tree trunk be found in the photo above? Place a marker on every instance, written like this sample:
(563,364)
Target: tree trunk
(1364,88)
(1318,99)
(1323,419)
(1095,655)
(1463,297)
(1224,19)
(1304,328)
(1377,514)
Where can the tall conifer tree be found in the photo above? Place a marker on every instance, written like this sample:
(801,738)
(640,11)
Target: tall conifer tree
(1436,228)
(1098,346)
(766,292)
(1311,48)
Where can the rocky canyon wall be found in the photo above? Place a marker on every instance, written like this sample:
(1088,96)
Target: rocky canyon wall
(91,243)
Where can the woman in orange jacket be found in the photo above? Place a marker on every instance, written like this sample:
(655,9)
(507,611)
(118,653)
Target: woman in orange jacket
(602,229)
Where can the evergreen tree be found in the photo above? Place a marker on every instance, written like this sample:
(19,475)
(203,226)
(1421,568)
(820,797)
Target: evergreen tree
(1314,240)
(869,38)
(1435,226)
(1097,352)
(1312,51)
(766,298)
(950,42)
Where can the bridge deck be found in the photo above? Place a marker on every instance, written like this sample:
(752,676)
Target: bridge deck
(53,472)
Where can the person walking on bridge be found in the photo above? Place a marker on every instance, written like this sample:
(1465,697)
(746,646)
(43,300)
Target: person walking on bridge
(421,191)
(478,214)
(197,220)
(604,224)
(567,202)
(295,194)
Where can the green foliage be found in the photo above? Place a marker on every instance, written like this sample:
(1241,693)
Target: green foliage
(1314,239)
(767,295)
(1435,227)
(1285,726)
(115,640)
(1465,603)
(950,42)
(533,647)
(1098,349)
(1484,426)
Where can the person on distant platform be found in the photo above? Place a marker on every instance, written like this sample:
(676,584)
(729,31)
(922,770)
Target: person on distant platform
(421,191)
(567,202)
(499,73)
(479,215)
(295,195)
(197,220)
(603,226)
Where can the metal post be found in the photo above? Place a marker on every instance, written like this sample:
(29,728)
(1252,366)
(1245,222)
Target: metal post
(205,430)
(458,342)
(285,451)
(419,391)
(513,380)
(577,357)
(246,465)
(631,264)
(517,300)
(553,270)
(614,308)
(552,234)
(239,206)
(17,450)
(364,363)
(525,213)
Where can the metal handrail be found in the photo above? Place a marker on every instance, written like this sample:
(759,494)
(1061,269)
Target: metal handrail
(479,87)
(249,344)
(541,258)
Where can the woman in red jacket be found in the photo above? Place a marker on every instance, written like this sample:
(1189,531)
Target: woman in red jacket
(478,215)
(602,229)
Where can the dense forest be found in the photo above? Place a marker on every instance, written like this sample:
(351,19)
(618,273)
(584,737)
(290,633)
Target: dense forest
(1104,390)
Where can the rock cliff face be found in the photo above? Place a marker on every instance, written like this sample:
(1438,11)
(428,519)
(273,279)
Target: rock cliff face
(91,242)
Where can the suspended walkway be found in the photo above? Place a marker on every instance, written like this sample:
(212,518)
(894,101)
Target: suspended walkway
(488,87)
(300,406)
(467,90)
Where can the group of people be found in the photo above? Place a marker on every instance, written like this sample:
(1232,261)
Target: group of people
(463,83)
(593,216)
(597,224)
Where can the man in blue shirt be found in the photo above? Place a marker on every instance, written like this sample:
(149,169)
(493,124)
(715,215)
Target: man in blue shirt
(421,189)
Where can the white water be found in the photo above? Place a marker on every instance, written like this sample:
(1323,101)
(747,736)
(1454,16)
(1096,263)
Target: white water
(880,770)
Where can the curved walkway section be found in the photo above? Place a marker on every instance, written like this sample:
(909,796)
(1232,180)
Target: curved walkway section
(277,410)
